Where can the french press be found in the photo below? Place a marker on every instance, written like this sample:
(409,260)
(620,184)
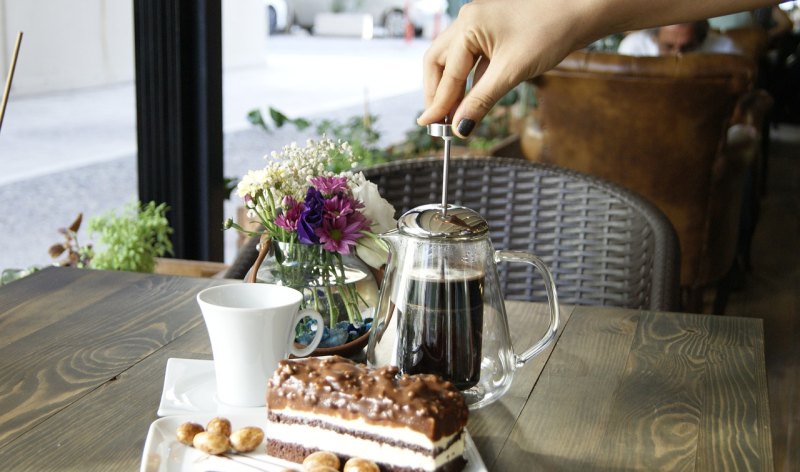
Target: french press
(440,309)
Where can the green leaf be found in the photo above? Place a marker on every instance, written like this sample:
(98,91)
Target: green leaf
(277,117)
(301,123)
(255,118)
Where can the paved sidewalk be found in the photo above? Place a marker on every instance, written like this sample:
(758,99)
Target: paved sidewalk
(65,153)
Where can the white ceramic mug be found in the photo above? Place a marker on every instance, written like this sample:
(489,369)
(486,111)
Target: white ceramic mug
(251,327)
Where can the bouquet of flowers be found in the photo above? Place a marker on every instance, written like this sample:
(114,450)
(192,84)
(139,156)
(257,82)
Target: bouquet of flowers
(313,217)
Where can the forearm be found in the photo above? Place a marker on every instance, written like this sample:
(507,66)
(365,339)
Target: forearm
(614,16)
(508,41)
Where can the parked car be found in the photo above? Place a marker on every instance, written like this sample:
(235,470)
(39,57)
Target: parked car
(277,15)
(390,14)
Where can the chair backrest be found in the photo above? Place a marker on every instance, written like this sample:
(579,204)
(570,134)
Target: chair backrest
(657,126)
(245,258)
(604,245)
(752,40)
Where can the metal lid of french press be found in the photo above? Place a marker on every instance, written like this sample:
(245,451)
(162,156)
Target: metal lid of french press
(443,221)
(430,222)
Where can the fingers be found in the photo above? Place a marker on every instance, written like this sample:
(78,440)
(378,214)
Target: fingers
(432,69)
(433,65)
(515,39)
(479,35)
(445,77)
(447,66)
(491,84)
(480,69)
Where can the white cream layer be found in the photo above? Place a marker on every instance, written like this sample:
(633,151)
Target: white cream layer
(406,435)
(317,438)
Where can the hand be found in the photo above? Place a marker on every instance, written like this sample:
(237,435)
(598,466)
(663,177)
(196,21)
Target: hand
(509,40)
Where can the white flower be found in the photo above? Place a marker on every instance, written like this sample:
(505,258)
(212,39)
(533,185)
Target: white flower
(251,183)
(376,208)
(370,249)
(289,170)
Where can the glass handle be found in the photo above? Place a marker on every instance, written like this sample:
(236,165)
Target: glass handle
(552,299)
(303,352)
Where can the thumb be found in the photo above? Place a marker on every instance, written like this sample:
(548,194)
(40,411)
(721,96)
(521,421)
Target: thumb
(490,85)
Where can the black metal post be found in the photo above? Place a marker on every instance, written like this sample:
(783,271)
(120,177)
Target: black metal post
(178,48)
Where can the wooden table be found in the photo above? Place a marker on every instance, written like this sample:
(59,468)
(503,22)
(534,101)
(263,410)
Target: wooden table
(83,353)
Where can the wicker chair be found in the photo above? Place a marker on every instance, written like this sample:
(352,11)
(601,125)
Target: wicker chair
(604,245)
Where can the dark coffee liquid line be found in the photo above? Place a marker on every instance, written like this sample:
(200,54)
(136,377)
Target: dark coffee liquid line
(442,329)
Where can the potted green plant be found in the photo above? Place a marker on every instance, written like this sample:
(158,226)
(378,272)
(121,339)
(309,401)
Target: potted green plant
(135,239)
(132,239)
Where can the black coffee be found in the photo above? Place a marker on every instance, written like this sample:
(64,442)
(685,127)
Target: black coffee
(442,328)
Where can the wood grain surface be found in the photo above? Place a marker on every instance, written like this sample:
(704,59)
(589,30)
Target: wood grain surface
(491,425)
(72,338)
(83,355)
(627,390)
(770,290)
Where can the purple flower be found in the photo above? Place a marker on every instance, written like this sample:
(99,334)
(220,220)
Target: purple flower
(357,218)
(330,185)
(311,217)
(340,234)
(290,215)
(340,206)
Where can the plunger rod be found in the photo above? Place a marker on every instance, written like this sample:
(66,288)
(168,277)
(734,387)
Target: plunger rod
(446,165)
(443,130)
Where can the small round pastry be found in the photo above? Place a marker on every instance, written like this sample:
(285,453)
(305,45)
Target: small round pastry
(357,464)
(321,458)
(211,442)
(219,425)
(187,431)
(247,439)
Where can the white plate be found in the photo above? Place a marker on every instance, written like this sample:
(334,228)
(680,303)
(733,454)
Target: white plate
(190,386)
(163,452)
(189,394)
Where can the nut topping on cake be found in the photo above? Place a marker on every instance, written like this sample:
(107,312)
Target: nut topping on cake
(420,402)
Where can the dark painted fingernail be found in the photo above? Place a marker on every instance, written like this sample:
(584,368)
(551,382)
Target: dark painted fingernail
(465,126)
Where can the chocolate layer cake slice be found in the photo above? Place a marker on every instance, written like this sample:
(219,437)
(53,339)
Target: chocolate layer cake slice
(403,423)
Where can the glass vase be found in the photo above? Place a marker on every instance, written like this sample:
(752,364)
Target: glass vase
(340,287)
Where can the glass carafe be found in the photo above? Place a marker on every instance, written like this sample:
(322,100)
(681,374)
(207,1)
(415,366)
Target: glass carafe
(440,309)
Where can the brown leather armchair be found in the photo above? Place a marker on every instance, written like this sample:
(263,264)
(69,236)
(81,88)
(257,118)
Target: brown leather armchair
(659,126)
(752,40)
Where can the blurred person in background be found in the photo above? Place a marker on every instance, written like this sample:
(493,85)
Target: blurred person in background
(676,39)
